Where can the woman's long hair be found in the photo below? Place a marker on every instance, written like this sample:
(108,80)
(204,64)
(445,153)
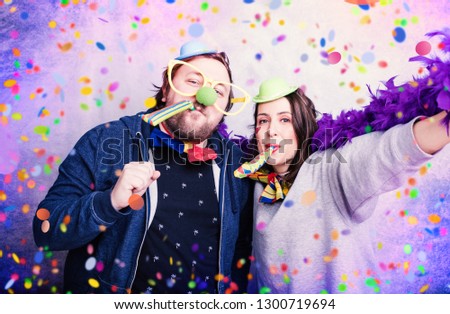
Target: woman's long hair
(305,125)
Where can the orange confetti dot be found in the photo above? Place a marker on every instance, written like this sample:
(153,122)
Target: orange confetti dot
(308,198)
(434,218)
(334,235)
(424,288)
(412,181)
(334,252)
(66,220)
(9,83)
(65,47)
(16,52)
(316,236)
(423,170)
(136,201)
(43,214)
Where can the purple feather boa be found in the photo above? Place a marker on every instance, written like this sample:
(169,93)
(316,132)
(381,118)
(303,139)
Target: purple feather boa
(425,96)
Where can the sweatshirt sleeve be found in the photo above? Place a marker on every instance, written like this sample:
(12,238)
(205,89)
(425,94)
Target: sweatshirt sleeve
(76,212)
(373,164)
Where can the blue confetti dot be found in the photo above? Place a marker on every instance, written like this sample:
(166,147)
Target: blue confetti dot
(322,42)
(100,46)
(331,35)
(289,203)
(368,57)
(275,4)
(304,57)
(196,30)
(364,7)
(258,56)
(399,34)
(170,1)
(39,257)
(24,15)
(248,1)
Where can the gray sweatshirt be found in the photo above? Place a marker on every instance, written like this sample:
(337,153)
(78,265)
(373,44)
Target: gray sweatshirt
(319,239)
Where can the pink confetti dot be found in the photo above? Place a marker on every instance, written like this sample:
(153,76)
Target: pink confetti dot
(261,226)
(423,48)
(334,57)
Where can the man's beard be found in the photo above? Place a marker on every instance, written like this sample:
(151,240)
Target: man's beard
(179,126)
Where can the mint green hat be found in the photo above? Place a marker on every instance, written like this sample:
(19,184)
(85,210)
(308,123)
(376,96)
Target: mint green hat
(272,89)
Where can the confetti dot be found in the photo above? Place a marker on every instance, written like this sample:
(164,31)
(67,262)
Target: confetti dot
(407,249)
(196,30)
(150,102)
(434,218)
(334,57)
(423,48)
(412,220)
(93,283)
(43,214)
(368,57)
(45,227)
(136,202)
(261,226)
(399,34)
(204,6)
(414,193)
(342,287)
(90,263)
(289,203)
(248,1)
(100,46)
(308,198)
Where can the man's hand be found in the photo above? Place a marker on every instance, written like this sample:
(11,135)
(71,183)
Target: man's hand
(135,178)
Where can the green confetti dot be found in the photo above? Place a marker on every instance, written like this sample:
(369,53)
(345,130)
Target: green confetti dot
(17,64)
(152,282)
(98,102)
(84,106)
(280,252)
(368,129)
(264,290)
(356,10)
(64,2)
(17,97)
(342,287)
(362,69)
(134,25)
(407,249)
(371,282)
(48,254)
(415,19)
(204,6)
(57,121)
(376,289)
(47,169)
(286,279)
(414,193)
(324,292)
(421,269)
(16,116)
(404,22)
(401,89)
(42,130)
(192,284)
(54,289)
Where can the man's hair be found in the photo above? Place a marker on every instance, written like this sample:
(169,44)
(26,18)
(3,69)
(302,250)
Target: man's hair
(165,86)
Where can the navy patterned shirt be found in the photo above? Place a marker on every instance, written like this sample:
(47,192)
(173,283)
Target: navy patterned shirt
(181,250)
